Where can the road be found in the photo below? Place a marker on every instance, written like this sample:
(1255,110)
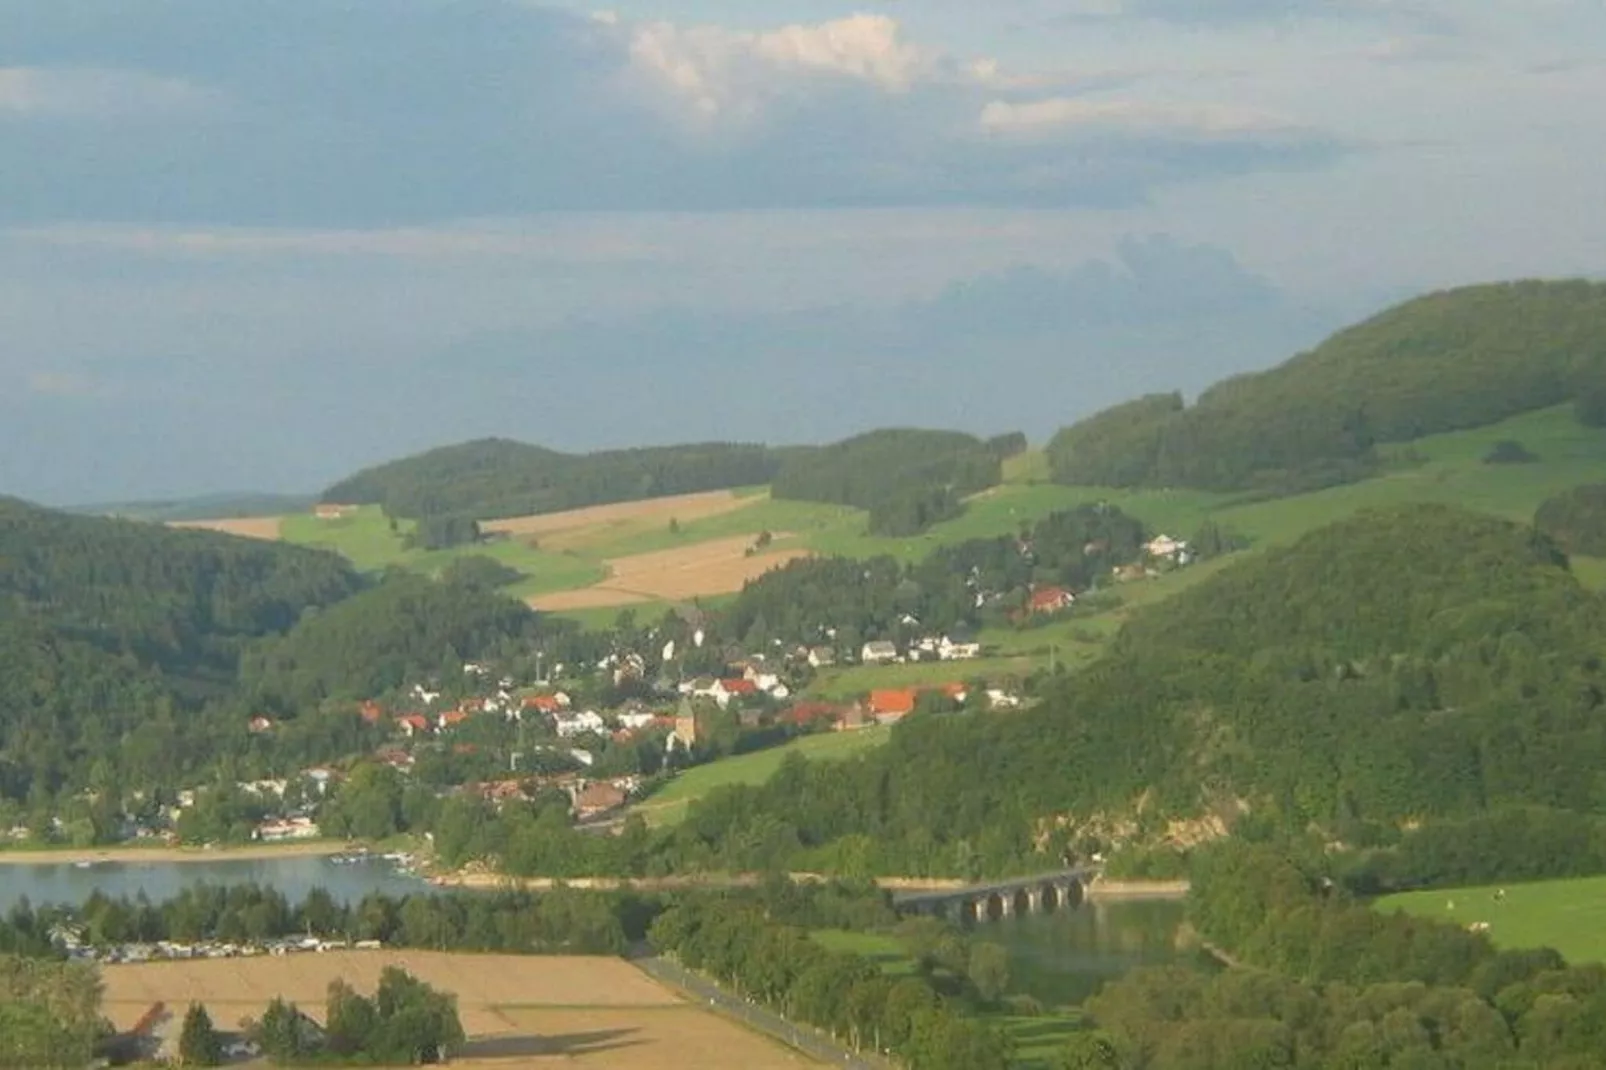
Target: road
(806,1039)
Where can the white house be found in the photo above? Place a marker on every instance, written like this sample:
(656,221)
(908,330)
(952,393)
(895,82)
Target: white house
(948,650)
(640,719)
(1164,546)
(821,657)
(878,651)
(575,724)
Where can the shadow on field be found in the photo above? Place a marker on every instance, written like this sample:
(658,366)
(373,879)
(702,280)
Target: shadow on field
(558,1044)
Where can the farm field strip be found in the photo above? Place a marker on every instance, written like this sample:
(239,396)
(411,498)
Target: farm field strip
(257,527)
(720,566)
(519,1011)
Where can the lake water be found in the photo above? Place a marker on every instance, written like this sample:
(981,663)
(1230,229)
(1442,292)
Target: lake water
(1059,958)
(295,877)
(1066,956)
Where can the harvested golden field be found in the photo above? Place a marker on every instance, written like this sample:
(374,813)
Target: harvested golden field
(718,566)
(253,527)
(574,528)
(519,1011)
(682,1037)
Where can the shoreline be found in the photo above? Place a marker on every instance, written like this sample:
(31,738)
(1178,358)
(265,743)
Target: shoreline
(164,854)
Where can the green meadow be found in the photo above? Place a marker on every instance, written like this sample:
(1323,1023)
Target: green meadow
(1568,915)
(1442,468)
(669,804)
(366,538)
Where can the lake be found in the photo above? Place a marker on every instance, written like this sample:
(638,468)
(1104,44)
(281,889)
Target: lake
(1066,956)
(295,877)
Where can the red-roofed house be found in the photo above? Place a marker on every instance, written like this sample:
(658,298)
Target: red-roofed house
(1050,600)
(891,704)
(413,724)
(725,690)
(371,712)
(452,718)
(808,712)
(544,703)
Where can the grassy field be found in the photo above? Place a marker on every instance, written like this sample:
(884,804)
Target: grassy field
(668,805)
(1568,915)
(574,551)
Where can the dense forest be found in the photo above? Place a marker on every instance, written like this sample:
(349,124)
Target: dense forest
(115,635)
(1405,664)
(493,478)
(1576,519)
(1452,360)
(1334,983)
(407,626)
(135,654)
(907,479)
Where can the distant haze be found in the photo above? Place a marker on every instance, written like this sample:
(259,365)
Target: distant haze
(256,246)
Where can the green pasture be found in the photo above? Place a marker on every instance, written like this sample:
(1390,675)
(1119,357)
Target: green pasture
(1568,915)
(668,805)
(365,538)
(884,949)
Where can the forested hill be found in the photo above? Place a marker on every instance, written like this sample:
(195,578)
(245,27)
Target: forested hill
(494,478)
(908,479)
(1401,665)
(1453,360)
(108,625)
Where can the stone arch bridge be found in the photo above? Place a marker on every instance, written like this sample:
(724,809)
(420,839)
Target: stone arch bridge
(1061,890)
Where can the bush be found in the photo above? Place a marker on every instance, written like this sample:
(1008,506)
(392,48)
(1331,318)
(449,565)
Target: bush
(1509,451)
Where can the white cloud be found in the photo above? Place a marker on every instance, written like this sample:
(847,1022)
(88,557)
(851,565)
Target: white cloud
(90,92)
(719,72)
(1061,114)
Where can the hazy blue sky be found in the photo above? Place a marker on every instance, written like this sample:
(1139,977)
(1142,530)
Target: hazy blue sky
(255,245)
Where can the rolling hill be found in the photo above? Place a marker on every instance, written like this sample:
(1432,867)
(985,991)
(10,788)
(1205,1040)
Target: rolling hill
(114,629)
(1445,362)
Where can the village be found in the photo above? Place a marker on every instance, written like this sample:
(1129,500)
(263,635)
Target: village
(604,735)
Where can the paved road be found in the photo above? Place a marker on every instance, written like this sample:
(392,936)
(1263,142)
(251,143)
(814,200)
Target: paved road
(812,1042)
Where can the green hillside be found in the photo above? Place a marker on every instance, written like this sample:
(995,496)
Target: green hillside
(1448,361)
(906,479)
(114,630)
(1400,664)
(495,478)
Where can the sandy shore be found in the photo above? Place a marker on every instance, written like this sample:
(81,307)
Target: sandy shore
(164,854)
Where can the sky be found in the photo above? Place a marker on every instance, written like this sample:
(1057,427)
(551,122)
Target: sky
(257,246)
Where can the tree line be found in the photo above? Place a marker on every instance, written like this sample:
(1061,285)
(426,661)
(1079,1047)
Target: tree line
(494,478)
(1324,981)
(783,967)
(1576,519)
(907,479)
(1448,361)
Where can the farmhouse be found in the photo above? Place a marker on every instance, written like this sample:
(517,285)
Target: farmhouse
(413,724)
(821,657)
(1050,600)
(879,651)
(724,691)
(1166,548)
